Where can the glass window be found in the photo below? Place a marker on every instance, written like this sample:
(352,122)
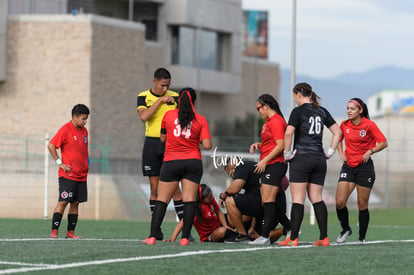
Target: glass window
(184,48)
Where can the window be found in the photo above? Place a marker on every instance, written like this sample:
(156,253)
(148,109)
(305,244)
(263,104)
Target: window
(184,48)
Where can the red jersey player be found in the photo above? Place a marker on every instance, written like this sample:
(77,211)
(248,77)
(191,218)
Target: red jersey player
(362,139)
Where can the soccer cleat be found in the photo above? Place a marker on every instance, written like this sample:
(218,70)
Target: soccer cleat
(344,234)
(54,234)
(362,242)
(289,242)
(150,241)
(324,242)
(238,239)
(71,235)
(191,238)
(261,240)
(184,241)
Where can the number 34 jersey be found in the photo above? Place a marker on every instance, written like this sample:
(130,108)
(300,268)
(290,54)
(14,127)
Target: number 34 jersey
(183,143)
(309,122)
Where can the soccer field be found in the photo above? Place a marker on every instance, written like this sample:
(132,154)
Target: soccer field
(115,247)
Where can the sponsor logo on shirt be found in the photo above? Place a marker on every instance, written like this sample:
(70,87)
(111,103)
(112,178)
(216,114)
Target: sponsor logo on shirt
(147,168)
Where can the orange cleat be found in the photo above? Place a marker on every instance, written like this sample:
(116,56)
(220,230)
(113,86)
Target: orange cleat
(54,234)
(289,242)
(150,241)
(184,241)
(324,242)
(71,235)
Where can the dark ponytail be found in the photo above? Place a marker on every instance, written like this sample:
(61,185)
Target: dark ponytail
(203,191)
(306,90)
(361,105)
(186,112)
(269,100)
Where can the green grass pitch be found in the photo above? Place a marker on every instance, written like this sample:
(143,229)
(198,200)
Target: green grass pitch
(115,247)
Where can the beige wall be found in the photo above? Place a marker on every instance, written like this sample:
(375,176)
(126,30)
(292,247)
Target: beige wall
(48,72)
(57,61)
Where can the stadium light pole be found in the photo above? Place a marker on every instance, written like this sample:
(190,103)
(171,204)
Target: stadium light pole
(293,55)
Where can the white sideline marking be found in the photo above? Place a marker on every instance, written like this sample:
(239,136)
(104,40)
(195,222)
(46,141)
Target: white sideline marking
(71,240)
(38,267)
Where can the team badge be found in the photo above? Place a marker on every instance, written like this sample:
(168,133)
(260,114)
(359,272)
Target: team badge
(64,195)
(362,133)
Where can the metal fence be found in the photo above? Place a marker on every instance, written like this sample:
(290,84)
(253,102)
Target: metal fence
(28,182)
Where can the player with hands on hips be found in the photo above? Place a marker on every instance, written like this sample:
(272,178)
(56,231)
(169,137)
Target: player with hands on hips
(307,169)
(362,139)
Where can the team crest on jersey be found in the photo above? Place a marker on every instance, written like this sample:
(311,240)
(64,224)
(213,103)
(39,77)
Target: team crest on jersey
(362,133)
(75,138)
(64,195)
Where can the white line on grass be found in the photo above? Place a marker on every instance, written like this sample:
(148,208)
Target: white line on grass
(63,239)
(182,254)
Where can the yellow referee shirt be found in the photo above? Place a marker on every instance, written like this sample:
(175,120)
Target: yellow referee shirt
(145,100)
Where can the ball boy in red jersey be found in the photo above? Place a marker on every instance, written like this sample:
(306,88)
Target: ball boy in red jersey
(72,140)
(183,130)
(362,139)
(209,221)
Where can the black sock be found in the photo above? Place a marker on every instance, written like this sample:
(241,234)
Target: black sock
(72,221)
(188,218)
(296,217)
(321,213)
(179,208)
(157,217)
(282,218)
(57,219)
(343,218)
(363,223)
(269,217)
(152,205)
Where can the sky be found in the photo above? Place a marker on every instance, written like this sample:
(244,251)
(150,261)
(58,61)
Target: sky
(340,36)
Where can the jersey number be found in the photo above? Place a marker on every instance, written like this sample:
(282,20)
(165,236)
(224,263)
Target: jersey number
(184,132)
(315,125)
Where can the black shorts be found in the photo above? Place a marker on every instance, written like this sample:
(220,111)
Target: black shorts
(273,174)
(176,170)
(70,190)
(308,168)
(362,175)
(249,204)
(152,156)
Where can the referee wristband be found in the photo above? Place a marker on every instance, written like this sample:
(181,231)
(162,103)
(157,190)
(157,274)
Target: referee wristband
(58,161)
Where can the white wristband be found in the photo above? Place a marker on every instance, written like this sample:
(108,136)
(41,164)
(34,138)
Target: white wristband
(58,161)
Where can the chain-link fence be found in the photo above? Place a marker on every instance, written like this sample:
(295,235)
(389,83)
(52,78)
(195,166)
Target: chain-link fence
(28,183)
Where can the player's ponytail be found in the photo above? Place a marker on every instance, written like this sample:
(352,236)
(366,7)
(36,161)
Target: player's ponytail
(203,191)
(306,90)
(186,112)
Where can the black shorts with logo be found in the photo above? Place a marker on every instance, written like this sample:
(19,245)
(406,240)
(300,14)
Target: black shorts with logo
(152,156)
(70,190)
(176,170)
(308,168)
(362,175)
(273,174)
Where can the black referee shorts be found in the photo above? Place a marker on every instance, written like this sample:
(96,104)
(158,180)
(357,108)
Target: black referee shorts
(152,156)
